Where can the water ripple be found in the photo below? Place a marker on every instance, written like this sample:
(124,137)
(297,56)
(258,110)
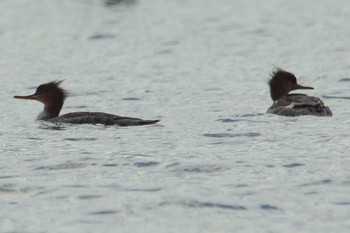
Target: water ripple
(89,197)
(104,212)
(110,165)
(146,164)
(268,207)
(243,117)
(291,165)
(336,97)
(145,189)
(343,203)
(231,135)
(202,169)
(80,139)
(101,36)
(344,80)
(9,188)
(63,166)
(131,98)
(326,181)
(7,177)
(198,204)
(12,188)
(118,2)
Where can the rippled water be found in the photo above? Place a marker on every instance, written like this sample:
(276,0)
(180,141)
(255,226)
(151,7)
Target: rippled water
(216,162)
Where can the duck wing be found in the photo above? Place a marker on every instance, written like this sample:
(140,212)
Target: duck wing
(298,105)
(100,118)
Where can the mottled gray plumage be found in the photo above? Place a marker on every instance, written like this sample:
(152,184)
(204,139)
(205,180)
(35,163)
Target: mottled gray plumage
(285,104)
(53,96)
(99,118)
(298,105)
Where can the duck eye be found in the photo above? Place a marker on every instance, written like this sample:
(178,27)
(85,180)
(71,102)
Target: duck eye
(293,80)
(38,91)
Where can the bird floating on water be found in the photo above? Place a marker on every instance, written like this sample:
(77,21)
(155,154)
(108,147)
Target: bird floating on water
(285,104)
(53,97)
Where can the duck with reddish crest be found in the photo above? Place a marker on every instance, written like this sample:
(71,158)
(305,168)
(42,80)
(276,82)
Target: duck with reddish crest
(285,104)
(53,96)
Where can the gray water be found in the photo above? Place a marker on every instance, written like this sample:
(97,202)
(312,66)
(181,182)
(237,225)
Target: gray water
(216,162)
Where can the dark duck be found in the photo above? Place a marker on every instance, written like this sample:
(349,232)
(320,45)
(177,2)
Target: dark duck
(53,97)
(285,104)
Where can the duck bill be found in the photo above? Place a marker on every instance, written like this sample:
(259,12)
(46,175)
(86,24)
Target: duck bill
(297,86)
(27,97)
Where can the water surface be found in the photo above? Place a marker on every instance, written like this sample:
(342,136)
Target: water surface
(216,162)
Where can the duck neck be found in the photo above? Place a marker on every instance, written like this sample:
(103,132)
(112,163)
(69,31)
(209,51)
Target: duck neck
(50,111)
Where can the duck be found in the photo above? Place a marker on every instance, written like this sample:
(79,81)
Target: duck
(281,84)
(52,95)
